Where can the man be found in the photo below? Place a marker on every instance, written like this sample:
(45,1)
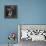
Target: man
(10,12)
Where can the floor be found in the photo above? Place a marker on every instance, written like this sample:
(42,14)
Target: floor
(30,43)
(7,45)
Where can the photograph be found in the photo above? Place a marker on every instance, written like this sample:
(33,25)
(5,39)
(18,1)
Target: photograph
(10,11)
(33,32)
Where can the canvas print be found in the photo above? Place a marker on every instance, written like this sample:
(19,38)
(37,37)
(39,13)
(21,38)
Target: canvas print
(33,32)
(10,11)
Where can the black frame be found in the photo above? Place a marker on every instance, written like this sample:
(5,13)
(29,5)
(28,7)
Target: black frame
(14,11)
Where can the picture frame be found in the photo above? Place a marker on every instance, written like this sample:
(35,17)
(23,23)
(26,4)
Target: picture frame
(10,11)
(38,30)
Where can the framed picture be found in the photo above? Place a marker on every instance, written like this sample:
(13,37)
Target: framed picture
(32,32)
(10,11)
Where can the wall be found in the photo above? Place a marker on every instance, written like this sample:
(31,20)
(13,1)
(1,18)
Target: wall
(29,12)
